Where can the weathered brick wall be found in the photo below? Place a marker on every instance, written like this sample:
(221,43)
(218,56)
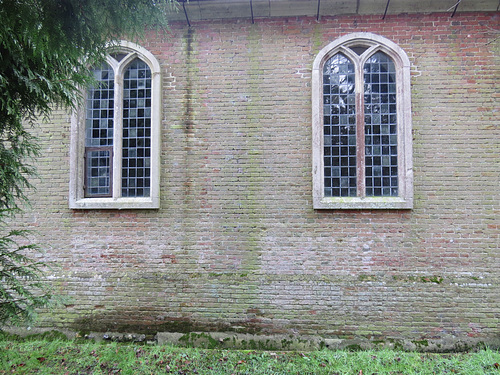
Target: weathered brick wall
(237,246)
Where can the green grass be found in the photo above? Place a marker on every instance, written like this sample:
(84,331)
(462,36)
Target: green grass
(69,357)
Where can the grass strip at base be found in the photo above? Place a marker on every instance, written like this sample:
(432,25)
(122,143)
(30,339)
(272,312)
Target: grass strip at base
(69,357)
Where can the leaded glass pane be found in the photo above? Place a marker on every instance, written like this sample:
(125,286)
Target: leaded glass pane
(98,172)
(99,109)
(136,150)
(381,160)
(339,105)
(99,132)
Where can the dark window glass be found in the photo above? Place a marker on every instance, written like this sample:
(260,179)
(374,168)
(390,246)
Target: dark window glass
(99,133)
(339,105)
(136,146)
(380,126)
(98,172)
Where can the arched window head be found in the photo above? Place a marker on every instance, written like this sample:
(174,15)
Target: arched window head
(362,152)
(116,136)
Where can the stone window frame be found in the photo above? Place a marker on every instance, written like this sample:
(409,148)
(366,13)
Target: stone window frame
(77,200)
(374,43)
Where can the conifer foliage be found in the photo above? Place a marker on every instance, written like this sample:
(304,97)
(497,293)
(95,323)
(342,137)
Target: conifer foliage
(46,50)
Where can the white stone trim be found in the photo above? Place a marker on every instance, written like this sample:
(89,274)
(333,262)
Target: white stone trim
(77,199)
(405,165)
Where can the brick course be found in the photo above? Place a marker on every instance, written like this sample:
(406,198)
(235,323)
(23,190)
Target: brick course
(237,246)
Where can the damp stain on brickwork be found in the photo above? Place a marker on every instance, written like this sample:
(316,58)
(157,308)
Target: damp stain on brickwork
(254,158)
(317,40)
(143,322)
(140,322)
(189,180)
(188,118)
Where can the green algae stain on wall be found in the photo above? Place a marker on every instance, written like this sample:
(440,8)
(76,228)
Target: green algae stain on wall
(253,204)
(189,178)
(191,69)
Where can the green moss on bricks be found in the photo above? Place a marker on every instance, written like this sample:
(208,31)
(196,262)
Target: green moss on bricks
(432,279)
(250,344)
(285,344)
(200,340)
(259,345)
(211,341)
(423,279)
(420,344)
(317,41)
(397,344)
(367,277)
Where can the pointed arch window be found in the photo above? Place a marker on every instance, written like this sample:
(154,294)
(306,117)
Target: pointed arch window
(115,148)
(362,153)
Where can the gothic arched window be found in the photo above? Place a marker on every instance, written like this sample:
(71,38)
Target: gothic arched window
(116,150)
(362,153)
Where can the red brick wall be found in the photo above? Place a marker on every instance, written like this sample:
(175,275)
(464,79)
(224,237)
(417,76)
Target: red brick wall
(237,245)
